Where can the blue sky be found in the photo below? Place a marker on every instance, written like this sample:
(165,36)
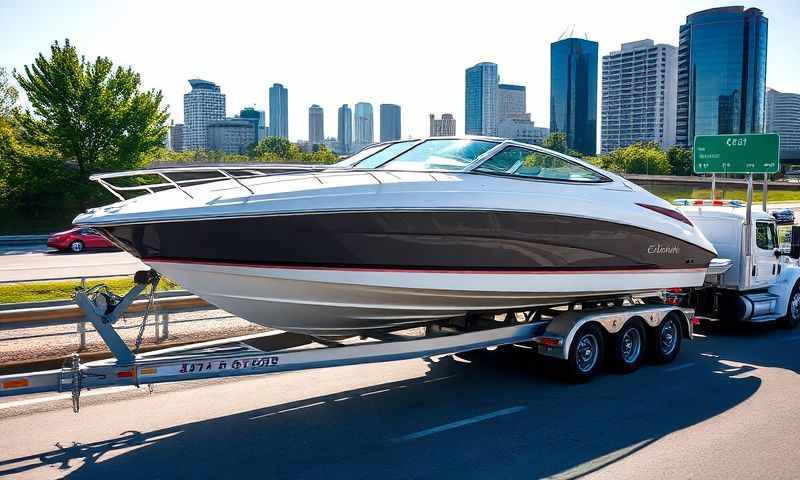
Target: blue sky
(412,53)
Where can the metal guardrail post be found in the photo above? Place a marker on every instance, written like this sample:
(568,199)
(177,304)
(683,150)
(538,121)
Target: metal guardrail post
(156,314)
(82,323)
(165,325)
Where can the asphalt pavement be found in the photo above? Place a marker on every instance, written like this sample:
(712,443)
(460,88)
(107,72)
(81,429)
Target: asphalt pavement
(727,408)
(24,266)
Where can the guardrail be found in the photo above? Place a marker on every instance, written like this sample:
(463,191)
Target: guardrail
(58,315)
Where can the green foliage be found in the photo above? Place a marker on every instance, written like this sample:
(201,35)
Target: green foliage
(557,141)
(644,158)
(8,95)
(281,150)
(91,113)
(680,160)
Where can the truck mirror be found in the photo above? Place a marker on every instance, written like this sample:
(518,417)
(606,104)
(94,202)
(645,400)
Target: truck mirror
(794,252)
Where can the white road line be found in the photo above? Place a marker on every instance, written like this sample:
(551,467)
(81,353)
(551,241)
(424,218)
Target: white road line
(459,423)
(286,410)
(679,367)
(439,379)
(375,392)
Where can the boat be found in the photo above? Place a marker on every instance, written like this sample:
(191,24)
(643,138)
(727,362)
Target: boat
(402,234)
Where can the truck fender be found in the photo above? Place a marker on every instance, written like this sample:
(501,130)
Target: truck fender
(782,288)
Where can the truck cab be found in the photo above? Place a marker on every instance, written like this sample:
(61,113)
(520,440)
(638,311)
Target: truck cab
(765,287)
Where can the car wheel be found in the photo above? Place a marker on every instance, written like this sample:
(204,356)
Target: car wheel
(792,317)
(628,347)
(76,246)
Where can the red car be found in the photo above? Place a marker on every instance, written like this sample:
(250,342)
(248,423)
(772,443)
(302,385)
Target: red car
(78,239)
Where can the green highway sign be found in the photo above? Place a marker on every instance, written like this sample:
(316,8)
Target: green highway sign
(746,153)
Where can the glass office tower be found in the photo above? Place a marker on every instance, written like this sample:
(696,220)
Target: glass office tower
(573,92)
(480,99)
(722,67)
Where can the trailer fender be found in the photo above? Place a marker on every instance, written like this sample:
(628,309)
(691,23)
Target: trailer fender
(558,337)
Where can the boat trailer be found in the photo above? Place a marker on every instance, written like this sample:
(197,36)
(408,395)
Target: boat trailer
(556,332)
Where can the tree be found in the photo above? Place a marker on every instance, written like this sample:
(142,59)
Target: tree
(271,148)
(8,95)
(642,158)
(556,141)
(92,114)
(680,160)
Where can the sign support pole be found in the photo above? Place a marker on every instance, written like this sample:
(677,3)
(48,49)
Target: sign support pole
(764,193)
(748,234)
(713,186)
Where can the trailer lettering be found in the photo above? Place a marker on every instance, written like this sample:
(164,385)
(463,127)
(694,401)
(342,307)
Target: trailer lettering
(253,364)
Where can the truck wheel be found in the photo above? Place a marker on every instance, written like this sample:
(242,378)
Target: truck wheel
(76,246)
(585,354)
(792,317)
(628,346)
(666,341)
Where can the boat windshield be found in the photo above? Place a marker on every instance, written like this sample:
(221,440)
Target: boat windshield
(361,155)
(386,154)
(441,154)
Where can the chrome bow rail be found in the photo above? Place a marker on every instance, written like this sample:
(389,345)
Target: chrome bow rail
(170,176)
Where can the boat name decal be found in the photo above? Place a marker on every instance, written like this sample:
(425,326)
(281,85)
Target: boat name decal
(260,362)
(659,249)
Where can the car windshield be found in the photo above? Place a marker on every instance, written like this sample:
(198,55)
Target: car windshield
(444,154)
(386,154)
(353,159)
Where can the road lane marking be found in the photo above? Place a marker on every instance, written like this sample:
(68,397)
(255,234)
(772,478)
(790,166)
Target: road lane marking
(286,410)
(459,423)
(599,462)
(679,367)
(375,392)
(439,379)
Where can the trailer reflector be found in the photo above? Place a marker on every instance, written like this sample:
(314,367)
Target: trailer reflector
(22,382)
(126,373)
(148,371)
(549,341)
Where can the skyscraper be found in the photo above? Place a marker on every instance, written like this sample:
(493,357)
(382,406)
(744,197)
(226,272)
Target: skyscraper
(573,92)
(783,118)
(363,125)
(231,135)
(316,125)
(511,100)
(278,111)
(256,117)
(442,127)
(639,95)
(390,122)
(176,137)
(480,99)
(722,64)
(203,104)
(345,132)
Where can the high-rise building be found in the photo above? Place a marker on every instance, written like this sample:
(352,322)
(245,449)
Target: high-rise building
(640,83)
(573,92)
(363,125)
(231,135)
(278,111)
(345,131)
(722,63)
(480,99)
(203,104)
(783,118)
(316,125)
(256,117)
(390,122)
(442,127)
(176,137)
(511,100)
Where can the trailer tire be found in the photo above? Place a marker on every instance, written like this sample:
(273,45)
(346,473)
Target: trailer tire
(666,342)
(628,346)
(585,354)
(792,317)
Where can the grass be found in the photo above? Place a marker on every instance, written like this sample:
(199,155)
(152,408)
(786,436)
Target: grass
(671,192)
(63,289)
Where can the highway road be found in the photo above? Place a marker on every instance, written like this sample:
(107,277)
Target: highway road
(25,266)
(729,407)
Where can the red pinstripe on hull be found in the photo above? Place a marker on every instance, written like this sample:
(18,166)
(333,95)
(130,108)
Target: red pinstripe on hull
(532,271)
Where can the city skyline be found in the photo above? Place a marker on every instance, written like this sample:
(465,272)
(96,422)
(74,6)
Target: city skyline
(106,29)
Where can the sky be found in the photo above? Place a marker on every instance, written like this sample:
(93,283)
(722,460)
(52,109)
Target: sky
(409,52)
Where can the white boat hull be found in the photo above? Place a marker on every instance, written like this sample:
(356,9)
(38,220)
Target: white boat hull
(336,301)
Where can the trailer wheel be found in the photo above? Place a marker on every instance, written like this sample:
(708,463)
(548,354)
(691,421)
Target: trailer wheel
(585,354)
(792,317)
(628,346)
(666,341)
